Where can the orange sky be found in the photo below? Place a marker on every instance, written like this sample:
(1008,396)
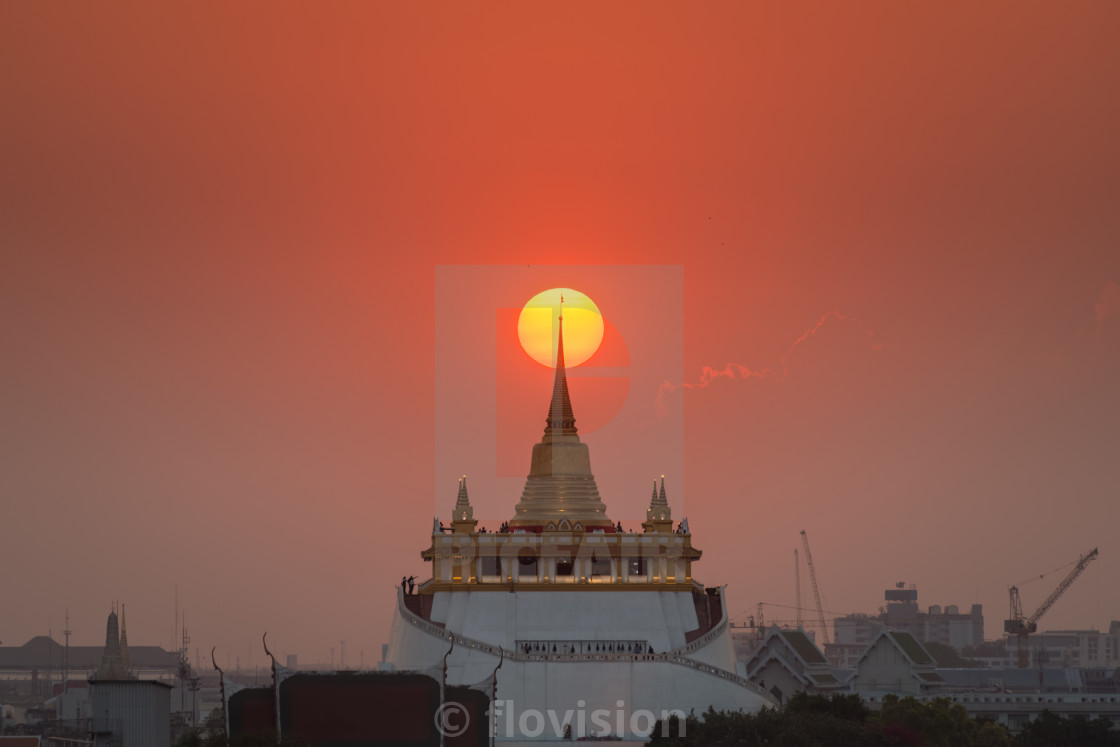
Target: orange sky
(219,234)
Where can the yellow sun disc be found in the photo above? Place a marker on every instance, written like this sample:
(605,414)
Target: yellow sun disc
(538,326)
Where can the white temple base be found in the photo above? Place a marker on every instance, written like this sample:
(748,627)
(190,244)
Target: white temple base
(537,693)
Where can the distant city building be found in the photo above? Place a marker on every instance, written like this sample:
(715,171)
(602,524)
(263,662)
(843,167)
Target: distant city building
(48,658)
(1076,648)
(854,633)
(1014,696)
(1056,649)
(896,663)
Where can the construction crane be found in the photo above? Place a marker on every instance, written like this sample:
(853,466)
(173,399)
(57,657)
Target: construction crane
(816,589)
(1021,626)
(797,585)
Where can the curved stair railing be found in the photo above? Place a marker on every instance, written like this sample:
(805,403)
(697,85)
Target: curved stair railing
(703,640)
(673,657)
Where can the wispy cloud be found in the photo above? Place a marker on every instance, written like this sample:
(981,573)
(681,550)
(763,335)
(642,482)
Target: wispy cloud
(708,374)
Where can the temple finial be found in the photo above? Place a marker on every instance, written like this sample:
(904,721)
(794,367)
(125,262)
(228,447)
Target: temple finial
(112,668)
(561,419)
(463,508)
(560,492)
(125,661)
(659,518)
(462,517)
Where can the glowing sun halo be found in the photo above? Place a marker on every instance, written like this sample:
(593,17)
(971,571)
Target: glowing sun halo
(537,326)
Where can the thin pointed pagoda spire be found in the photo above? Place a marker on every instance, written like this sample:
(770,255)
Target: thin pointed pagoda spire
(560,492)
(125,661)
(561,418)
(112,668)
(658,500)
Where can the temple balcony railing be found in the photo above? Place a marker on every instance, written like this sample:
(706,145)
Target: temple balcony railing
(627,646)
(705,639)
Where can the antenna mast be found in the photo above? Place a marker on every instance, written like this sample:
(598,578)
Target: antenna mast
(66,655)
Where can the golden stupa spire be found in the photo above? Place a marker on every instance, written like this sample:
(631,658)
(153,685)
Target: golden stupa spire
(560,491)
(561,419)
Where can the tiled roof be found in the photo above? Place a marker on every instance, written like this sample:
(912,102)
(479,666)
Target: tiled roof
(804,647)
(910,646)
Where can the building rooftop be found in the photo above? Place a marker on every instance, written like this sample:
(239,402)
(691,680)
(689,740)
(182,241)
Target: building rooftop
(912,648)
(804,646)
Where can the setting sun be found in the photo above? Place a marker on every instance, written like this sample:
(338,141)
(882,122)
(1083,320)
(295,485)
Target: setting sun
(537,326)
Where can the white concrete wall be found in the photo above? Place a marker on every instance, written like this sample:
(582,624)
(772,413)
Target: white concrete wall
(502,618)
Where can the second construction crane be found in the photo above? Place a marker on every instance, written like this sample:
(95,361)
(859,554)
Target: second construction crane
(1021,626)
(816,588)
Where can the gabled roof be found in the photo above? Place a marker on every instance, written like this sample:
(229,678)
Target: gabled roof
(794,645)
(922,664)
(804,646)
(906,644)
(759,666)
(910,646)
